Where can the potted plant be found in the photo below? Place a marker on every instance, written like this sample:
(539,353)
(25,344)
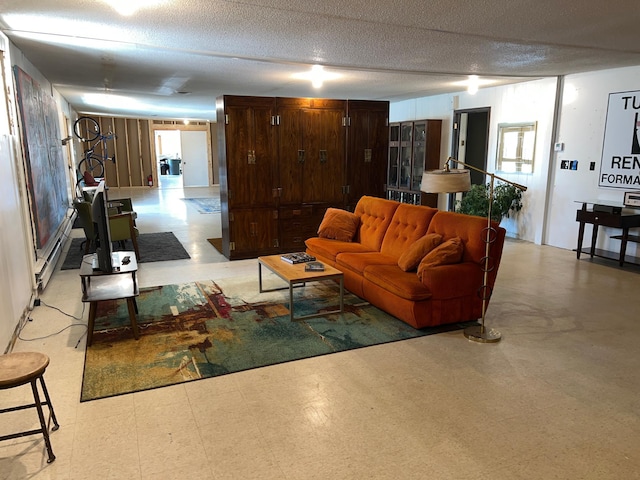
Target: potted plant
(506,199)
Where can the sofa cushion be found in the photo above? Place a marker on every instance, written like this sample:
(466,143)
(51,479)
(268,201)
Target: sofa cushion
(444,254)
(393,279)
(357,262)
(409,223)
(412,256)
(329,249)
(375,216)
(339,224)
(468,227)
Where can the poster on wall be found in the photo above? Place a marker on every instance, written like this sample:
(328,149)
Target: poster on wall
(620,166)
(43,157)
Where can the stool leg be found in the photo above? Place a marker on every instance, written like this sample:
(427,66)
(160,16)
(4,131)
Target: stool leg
(45,430)
(51,412)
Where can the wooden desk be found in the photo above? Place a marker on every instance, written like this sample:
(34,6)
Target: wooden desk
(98,286)
(624,220)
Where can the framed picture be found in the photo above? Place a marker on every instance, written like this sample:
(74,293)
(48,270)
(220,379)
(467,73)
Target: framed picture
(516,147)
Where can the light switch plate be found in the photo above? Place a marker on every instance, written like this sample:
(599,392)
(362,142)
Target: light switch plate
(558,147)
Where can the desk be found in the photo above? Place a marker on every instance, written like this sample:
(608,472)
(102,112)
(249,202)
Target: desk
(624,220)
(98,286)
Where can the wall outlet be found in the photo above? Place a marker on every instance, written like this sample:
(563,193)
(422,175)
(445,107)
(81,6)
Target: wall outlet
(592,166)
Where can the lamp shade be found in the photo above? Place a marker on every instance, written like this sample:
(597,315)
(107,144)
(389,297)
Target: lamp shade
(446,181)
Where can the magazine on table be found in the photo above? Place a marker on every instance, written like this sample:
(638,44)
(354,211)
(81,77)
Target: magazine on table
(314,267)
(298,257)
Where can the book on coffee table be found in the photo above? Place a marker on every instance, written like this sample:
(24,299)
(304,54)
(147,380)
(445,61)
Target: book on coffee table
(297,257)
(314,267)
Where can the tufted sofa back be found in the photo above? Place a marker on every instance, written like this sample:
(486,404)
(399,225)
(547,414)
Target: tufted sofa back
(409,223)
(375,216)
(469,228)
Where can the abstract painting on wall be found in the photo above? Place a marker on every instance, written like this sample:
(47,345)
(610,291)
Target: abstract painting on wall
(44,161)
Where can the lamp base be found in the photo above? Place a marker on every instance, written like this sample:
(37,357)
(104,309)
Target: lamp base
(478,333)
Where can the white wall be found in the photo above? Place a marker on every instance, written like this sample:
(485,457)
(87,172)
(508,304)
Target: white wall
(582,125)
(18,256)
(17,282)
(523,102)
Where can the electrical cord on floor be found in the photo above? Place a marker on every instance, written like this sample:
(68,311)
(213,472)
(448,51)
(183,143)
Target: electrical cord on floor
(60,331)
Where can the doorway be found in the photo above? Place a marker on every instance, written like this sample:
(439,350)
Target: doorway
(169,158)
(470,142)
(182,157)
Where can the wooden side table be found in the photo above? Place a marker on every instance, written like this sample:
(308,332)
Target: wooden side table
(98,286)
(625,219)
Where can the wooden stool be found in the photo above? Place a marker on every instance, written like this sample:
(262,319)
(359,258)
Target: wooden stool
(21,368)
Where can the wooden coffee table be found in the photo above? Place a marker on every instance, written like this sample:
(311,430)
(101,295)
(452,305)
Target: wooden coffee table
(295,275)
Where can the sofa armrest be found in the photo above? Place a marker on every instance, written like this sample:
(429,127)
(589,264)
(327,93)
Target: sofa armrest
(454,280)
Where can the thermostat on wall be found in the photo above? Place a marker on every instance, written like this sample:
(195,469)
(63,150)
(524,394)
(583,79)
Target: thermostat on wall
(631,199)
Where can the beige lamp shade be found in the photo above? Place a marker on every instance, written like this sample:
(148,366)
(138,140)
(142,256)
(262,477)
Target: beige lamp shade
(446,181)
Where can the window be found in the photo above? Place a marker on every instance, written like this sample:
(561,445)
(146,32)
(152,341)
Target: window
(516,147)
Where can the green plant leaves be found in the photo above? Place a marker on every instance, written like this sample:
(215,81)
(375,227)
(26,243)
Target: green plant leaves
(506,199)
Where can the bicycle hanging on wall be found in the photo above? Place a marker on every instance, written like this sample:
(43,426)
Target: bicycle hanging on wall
(87,129)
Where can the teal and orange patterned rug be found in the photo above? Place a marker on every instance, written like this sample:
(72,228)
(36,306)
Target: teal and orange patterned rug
(209,328)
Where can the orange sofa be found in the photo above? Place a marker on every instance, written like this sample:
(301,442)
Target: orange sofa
(384,231)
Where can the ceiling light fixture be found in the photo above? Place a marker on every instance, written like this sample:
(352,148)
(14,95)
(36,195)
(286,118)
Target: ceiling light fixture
(473,84)
(127,8)
(317,76)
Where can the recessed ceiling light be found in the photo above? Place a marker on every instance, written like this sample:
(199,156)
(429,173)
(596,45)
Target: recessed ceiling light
(129,7)
(318,75)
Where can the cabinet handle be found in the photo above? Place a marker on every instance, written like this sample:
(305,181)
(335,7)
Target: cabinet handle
(323,156)
(300,156)
(367,155)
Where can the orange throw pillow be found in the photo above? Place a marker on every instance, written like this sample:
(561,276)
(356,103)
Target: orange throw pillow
(444,254)
(339,225)
(411,257)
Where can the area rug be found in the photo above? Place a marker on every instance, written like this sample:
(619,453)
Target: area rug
(210,328)
(205,205)
(153,247)
(217,244)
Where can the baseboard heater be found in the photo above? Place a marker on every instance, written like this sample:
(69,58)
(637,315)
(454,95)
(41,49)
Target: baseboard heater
(45,267)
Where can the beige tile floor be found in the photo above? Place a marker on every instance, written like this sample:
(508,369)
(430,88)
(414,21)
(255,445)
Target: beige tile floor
(557,398)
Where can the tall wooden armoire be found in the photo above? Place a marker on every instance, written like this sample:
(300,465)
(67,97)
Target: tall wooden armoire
(248,176)
(284,161)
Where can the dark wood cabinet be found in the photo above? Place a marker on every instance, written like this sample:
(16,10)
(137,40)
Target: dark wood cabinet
(311,140)
(367,149)
(251,230)
(284,161)
(248,176)
(413,148)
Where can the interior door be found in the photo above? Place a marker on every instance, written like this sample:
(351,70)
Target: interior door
(195,168)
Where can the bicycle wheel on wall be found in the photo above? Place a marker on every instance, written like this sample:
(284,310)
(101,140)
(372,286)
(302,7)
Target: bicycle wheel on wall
(86,129)
(93,165)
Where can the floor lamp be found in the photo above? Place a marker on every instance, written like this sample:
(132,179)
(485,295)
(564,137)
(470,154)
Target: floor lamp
(457,180)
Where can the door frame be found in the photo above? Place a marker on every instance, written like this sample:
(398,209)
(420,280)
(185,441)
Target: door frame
(459,145)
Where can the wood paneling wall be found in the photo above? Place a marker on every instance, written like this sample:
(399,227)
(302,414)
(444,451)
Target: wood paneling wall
(134,148)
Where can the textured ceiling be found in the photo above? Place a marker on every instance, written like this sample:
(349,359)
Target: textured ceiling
(174,59)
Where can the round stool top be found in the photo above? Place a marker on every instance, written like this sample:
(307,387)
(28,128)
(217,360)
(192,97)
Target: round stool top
(21,367)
